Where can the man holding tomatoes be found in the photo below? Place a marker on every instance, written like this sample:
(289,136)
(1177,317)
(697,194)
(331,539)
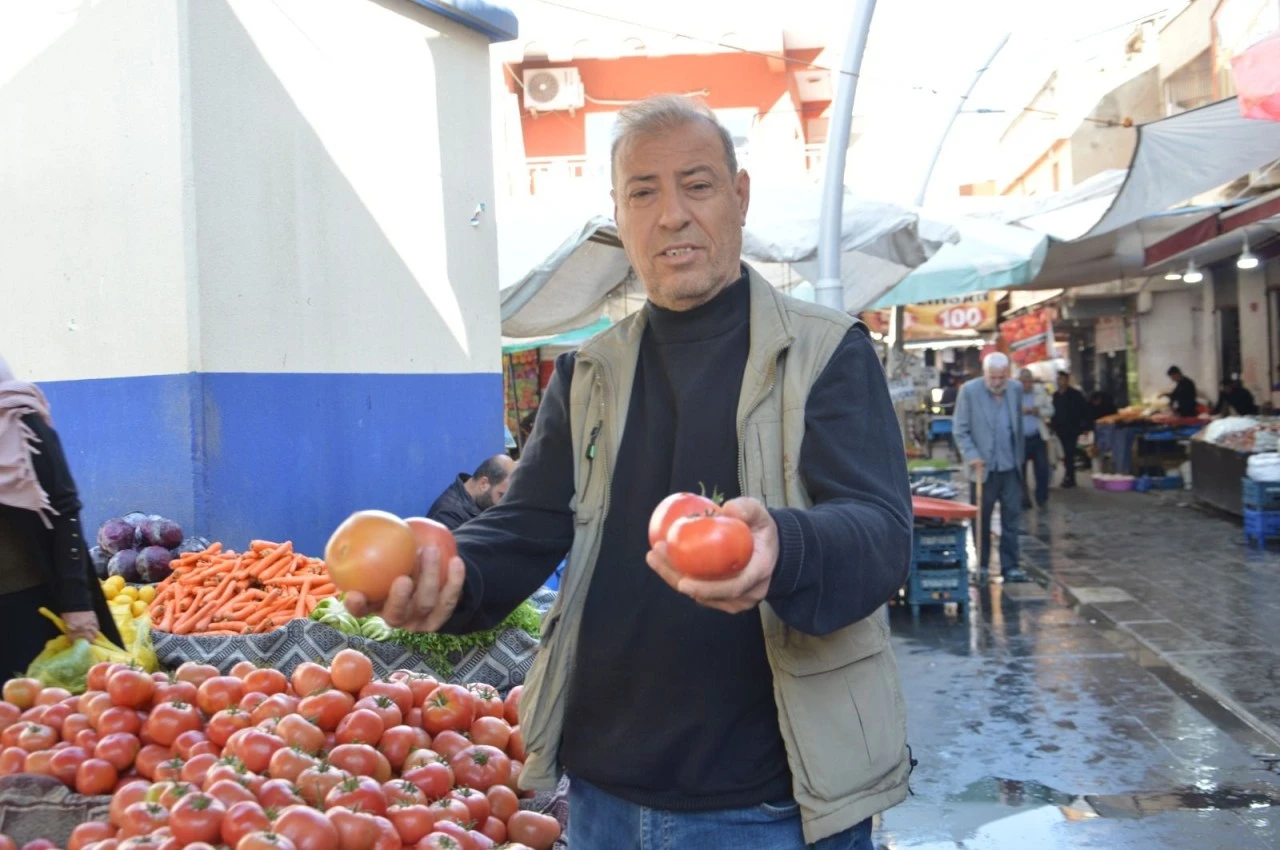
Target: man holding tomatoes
(759,704)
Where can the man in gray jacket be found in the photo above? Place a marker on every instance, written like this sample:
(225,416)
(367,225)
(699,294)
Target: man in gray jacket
(990,433)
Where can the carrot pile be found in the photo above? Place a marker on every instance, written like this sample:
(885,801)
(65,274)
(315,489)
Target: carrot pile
(222,593)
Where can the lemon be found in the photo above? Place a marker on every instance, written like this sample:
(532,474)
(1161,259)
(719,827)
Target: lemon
(109,591)
(147,593)
(130,591)
(115,583)
(138,608)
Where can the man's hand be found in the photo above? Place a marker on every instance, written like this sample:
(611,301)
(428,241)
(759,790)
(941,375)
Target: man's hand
(81,624)
(977,465)
(748,588)
(417,603)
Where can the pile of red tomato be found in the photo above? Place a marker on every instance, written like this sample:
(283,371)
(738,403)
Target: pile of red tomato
(327,759)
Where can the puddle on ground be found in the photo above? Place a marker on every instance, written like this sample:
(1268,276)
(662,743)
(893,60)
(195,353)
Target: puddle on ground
(1132,805)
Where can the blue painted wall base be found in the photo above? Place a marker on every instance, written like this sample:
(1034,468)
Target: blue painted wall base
(277,456)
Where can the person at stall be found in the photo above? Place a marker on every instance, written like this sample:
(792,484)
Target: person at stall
(471,495)
(1101,404)
(1234,399)
(44,560)
(1071,417)
(1183,397)
(989,431)
(1037,407)
(679,706)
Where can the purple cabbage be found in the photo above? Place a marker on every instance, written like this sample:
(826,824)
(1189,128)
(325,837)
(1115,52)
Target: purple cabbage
(192,544)
(158,531)
(115,535)
(134,517)
(124,564)
(153,564)
(100,559)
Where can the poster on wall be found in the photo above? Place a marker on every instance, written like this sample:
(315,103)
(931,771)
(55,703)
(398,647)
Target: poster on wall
(1109,334)
(521,387)
(1030,337)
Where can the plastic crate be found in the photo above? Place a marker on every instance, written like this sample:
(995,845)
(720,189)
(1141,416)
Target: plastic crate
(933,586)
(944,474)
(1259,526)
(938,539)
(1260,495)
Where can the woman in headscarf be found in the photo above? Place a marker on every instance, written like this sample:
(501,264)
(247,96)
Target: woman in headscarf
(44,557)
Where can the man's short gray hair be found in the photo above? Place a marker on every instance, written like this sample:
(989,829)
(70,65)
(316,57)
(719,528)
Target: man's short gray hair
(1025,374)
(995,360)
(663,113)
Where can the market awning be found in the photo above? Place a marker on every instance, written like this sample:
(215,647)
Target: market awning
(1185,155)
(988,256)
(881,244)
(510,345)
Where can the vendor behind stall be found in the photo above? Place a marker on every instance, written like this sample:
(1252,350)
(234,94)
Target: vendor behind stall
(1234,399)
(1183,397)
(470,495)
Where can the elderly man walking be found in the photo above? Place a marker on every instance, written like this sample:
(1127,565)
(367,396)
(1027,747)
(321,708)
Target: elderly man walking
(990,433)
(1037,408)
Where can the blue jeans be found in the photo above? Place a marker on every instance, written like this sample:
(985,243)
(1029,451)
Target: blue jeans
(1038,455)
(1005,488)
(600,821)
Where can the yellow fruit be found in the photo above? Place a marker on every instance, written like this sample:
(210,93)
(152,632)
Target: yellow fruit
(115,582)
(131,592)
(109,591)
(148,593)
(138,608)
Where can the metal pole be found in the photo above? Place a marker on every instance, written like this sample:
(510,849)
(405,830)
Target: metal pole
(899,313)
(830,288)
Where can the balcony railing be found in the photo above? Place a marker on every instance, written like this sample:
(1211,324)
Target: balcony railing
(579,173)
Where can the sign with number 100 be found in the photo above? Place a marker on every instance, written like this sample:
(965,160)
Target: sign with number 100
(961,317)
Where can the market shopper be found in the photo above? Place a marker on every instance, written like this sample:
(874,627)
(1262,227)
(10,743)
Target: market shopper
(989,431)
(44,559)
(681,707)
(1183,399)
(1071,418)
(1037,407)
(471,495)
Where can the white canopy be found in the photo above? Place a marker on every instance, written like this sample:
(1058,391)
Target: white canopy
(568,289)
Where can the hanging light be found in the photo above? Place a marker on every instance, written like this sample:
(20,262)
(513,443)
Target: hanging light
(1247,259)
(1172,275)
(1192,274)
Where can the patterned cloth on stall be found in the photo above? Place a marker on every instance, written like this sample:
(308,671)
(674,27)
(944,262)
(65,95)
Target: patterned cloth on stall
(503,665)
(34,807)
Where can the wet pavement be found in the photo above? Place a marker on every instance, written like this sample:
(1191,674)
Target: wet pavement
(1176,578)
(1037,729)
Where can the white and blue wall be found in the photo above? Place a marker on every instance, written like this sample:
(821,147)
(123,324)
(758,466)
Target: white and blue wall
(239,254)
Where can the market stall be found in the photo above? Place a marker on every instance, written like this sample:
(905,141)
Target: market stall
(270,707)
(1143,441)
(1220,458)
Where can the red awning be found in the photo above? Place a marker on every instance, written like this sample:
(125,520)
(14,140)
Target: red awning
(1257,75)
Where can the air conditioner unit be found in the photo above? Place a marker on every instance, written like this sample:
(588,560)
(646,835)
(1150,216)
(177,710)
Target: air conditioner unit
(553,89)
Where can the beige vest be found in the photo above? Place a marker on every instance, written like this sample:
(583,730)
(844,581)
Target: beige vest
(840,705)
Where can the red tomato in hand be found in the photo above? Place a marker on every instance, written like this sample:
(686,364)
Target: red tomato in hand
(674,507)
(710,547)
(431,533)
(369,551)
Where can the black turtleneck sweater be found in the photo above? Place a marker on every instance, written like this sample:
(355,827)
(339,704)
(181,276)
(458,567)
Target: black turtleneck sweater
(670,704)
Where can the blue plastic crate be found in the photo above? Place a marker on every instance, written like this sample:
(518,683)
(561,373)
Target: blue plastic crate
(938,539)
(931,586)
(1260,495)
(1259,526)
